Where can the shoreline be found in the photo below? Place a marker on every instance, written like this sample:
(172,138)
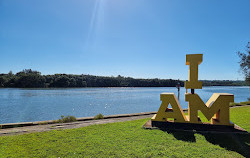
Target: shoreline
(117,87)
(82,119)
(46,122)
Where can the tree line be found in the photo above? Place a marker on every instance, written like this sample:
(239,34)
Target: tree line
(223,83)
(33,79)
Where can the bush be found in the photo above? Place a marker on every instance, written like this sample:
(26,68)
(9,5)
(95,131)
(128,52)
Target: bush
(99,116)
(65,119)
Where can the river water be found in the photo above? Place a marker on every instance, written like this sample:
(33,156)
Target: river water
(24,105)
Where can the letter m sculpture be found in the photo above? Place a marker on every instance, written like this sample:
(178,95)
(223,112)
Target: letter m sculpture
(216,108)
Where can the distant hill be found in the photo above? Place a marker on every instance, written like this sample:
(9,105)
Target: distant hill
(33,79)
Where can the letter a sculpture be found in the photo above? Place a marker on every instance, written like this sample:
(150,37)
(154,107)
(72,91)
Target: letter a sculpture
(216,109)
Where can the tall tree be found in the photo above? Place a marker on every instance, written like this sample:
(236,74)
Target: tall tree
(245,63)
(29,79)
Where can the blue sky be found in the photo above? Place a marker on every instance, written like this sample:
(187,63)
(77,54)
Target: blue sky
(137,38)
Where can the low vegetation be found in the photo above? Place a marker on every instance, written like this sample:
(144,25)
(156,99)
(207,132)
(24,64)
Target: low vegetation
(65,119)
(129,139)
(99,116)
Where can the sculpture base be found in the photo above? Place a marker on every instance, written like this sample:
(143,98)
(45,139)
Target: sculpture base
(204,127)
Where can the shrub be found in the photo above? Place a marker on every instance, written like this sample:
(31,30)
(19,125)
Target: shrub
(99,116)
(65,119)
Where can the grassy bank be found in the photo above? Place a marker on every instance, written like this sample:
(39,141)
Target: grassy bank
(240,103)
(129,139)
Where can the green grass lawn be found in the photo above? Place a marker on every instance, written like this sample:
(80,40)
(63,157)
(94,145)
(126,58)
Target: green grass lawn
(129,139)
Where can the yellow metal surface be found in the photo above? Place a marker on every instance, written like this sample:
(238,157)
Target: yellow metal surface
(216,108)
(164,112)
(193,60)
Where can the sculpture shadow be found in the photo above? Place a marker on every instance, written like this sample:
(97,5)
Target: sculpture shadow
(236,142)
(239,143)
(187,136)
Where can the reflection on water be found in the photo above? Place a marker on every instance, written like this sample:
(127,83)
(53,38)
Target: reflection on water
(22,105)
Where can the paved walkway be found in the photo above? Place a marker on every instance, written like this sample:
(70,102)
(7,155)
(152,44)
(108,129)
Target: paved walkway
(48,127)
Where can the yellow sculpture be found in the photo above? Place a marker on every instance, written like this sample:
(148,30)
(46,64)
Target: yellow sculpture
(193,60)
(216,109)
(164,113)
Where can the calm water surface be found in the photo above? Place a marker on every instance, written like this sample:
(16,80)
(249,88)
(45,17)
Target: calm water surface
(23,105)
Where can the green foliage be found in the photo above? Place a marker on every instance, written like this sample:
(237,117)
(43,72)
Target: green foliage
(3,81)
(30,79)
(33,79)
(129,139)
(99,116)
(65,119)
(245,63)
(222,83)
